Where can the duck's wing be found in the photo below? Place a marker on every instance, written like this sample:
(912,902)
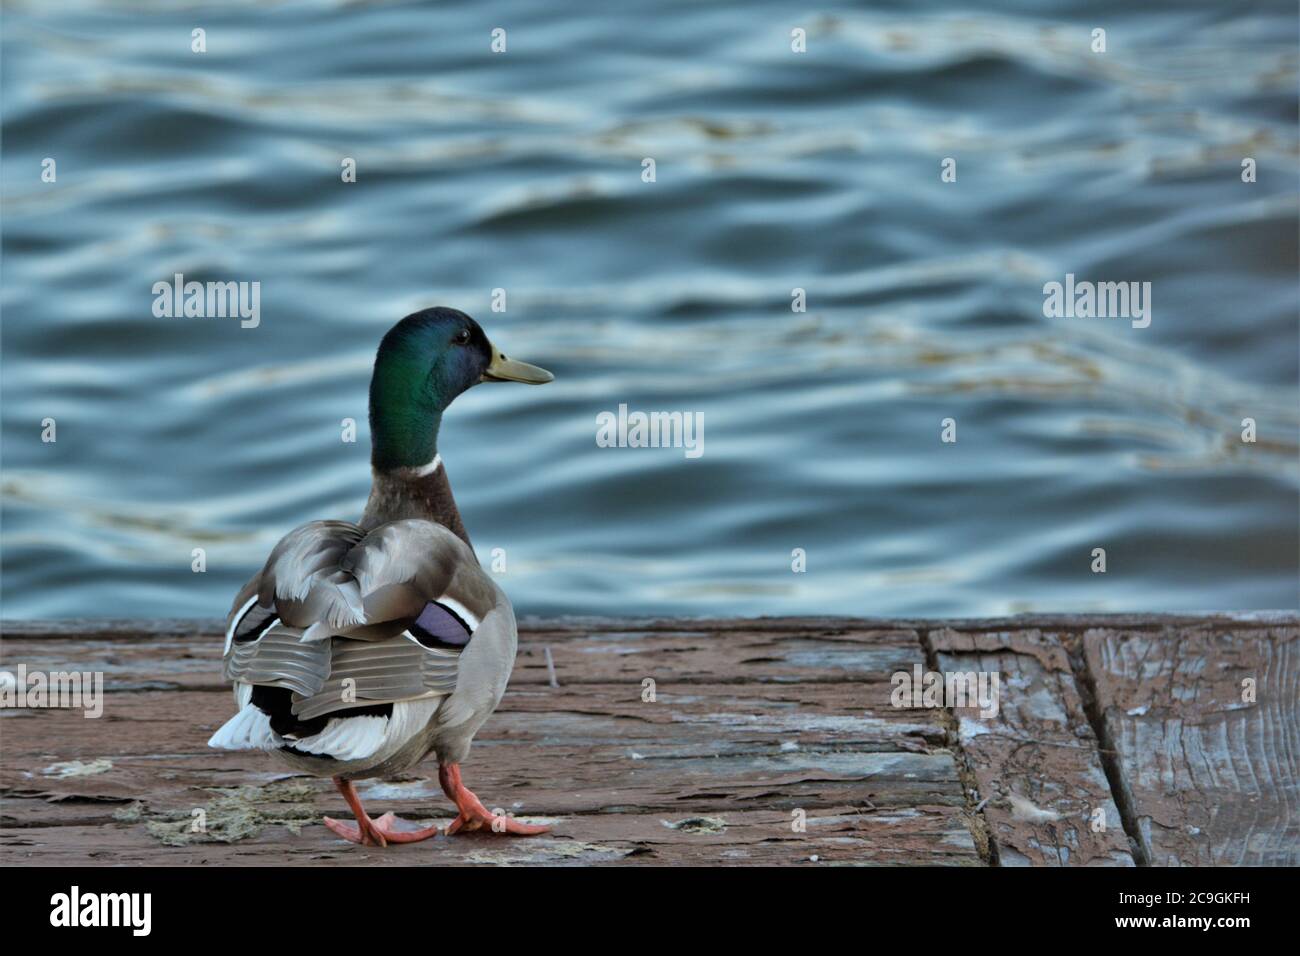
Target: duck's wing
(301,585)
(405,566)
(408,598)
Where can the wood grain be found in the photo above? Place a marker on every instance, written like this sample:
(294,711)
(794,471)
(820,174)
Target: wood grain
(746,733)
(1209,776)
(755,725)
(1035,760)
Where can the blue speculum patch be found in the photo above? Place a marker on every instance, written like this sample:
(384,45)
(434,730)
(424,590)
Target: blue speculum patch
(439,626)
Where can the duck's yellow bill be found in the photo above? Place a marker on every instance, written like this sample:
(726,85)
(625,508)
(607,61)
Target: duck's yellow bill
(503,369)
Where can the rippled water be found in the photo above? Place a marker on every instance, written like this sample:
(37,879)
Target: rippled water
(775,170)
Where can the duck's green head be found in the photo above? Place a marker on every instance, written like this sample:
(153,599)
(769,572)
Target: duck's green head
(423,363)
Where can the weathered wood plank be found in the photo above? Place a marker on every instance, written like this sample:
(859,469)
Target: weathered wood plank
(1209,776)
(171,661)
(754,723)
(745,734)
(1036,763)
(843,835)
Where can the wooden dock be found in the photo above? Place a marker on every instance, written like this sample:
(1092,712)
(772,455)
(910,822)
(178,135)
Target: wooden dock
(1118,741)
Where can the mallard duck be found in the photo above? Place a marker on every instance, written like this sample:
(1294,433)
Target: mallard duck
(359,649)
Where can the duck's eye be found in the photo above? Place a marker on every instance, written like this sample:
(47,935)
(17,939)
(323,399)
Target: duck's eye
(461,337)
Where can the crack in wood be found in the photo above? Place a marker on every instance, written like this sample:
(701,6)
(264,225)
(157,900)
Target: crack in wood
(1106,750)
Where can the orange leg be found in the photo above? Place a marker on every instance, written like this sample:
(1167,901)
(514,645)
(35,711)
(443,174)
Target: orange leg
(366,831)
(473,814)
(378,832)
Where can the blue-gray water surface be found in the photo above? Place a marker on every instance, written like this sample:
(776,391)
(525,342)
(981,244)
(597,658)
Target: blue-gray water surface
(775,170)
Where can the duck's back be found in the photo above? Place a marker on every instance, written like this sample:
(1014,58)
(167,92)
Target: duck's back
(354,653)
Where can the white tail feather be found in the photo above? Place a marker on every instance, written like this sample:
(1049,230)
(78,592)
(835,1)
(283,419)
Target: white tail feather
(250,729)
(346,738)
